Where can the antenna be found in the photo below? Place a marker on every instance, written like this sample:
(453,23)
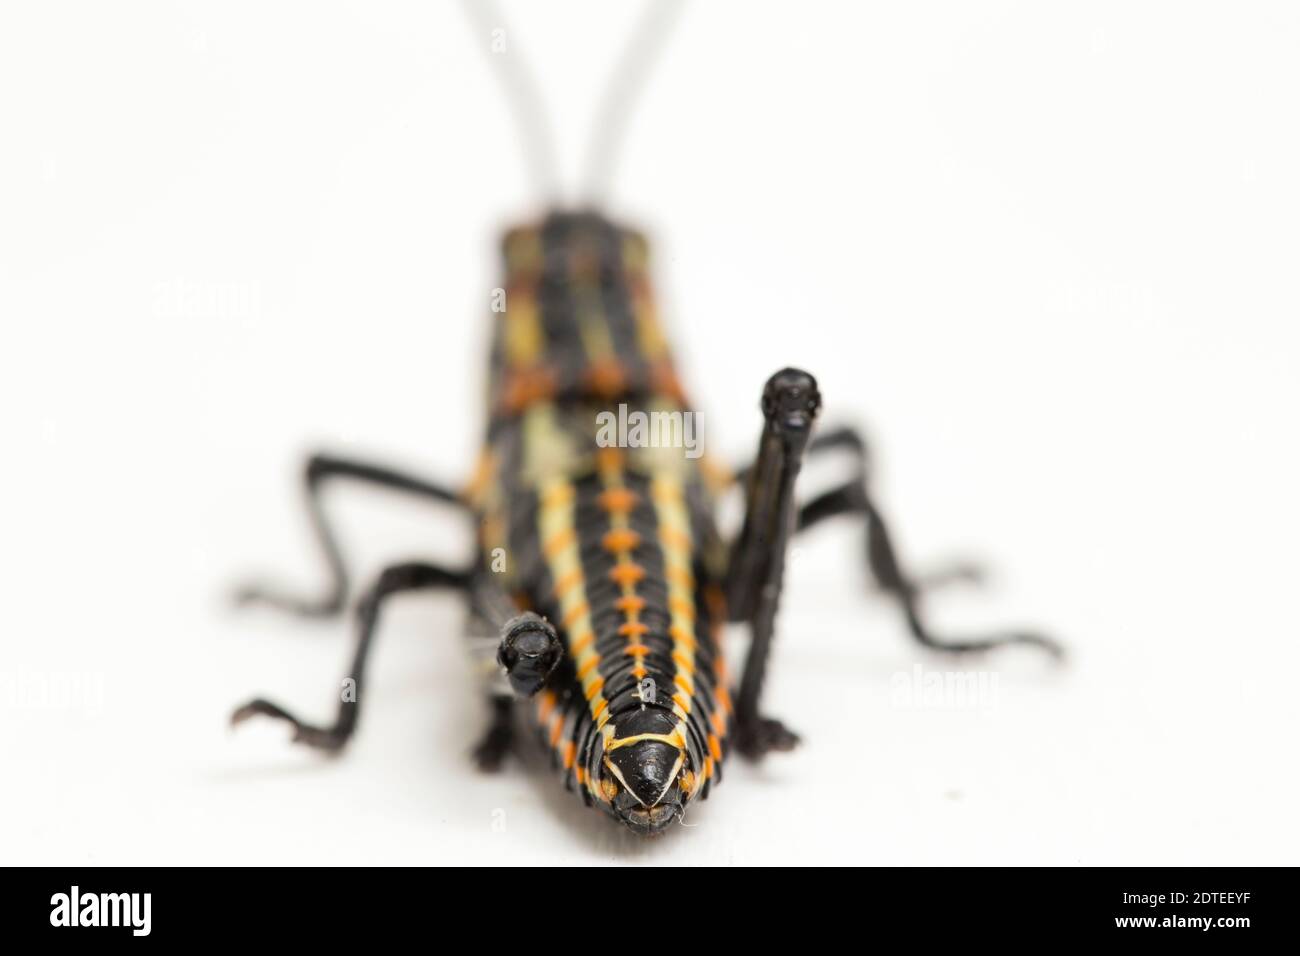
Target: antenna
(521,91)
(531,119)
(644,46)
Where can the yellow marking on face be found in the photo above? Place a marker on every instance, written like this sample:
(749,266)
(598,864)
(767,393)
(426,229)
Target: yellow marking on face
(675,739)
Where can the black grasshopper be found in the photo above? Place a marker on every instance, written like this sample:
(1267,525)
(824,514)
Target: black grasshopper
(601,572)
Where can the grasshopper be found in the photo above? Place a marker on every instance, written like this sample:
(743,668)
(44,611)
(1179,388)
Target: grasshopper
(601,579)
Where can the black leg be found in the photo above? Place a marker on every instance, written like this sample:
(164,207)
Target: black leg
(393,580)
(757,567)
(492,748)
(854,498)
(319,468)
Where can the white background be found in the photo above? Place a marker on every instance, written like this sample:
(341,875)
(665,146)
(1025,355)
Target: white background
(1046,253)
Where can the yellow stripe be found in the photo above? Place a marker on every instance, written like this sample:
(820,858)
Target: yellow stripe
(556,524)
(675,739)
(675,543)
(523,330)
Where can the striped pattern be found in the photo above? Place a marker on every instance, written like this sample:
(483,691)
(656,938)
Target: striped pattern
(608,544)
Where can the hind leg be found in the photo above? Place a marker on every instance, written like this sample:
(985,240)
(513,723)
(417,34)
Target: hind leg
(855,498)
(394,580)
(319,470)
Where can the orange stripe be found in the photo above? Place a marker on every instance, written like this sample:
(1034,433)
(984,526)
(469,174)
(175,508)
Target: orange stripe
(630,603)
(621,539)
(606,377)
(526,386)
(715,746)
(632,629)
(595,687)
(626,573)
(618,500)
